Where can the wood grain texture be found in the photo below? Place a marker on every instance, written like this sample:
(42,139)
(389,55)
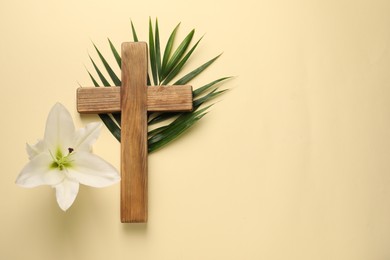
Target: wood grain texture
(159,98)
(134,151)
(169,98)
(98,100)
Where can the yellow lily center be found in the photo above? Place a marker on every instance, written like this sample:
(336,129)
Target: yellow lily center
(60,161)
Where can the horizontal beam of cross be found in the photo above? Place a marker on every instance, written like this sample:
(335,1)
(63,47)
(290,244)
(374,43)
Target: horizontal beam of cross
(159,98)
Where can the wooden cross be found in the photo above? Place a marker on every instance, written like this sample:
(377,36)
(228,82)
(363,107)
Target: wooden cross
(134,99)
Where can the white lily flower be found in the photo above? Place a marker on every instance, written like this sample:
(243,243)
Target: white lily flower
(64,158)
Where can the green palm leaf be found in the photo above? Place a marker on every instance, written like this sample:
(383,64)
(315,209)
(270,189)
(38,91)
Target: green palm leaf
(158,51)
(168,50)
(110,72)
(175,129)
(180,65)
(100,74)
(156,131)
(135,37)
(178,54)
(152,53)
(116,54)
(164,67)
(207,87)
(95,83)
(110,123)
(195,72)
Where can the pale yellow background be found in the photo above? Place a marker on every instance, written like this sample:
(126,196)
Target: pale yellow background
(293,163)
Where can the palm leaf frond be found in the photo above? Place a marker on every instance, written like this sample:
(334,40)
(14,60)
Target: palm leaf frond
(201,90)
(158,51)
(116,54)
(95,83)
(100,74)
(164,68)
(110,72)
(135,37)
(108,121)
(175,129)
(180,65)
(152,54)
(178,54)
(187,78)
(168,49)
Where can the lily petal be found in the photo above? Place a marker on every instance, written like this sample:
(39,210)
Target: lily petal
(92,170)
(60,130)
(66,193)
(38,172)
(34,150)
(85,137)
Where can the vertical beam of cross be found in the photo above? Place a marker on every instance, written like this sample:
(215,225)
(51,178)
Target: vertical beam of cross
(134,149)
